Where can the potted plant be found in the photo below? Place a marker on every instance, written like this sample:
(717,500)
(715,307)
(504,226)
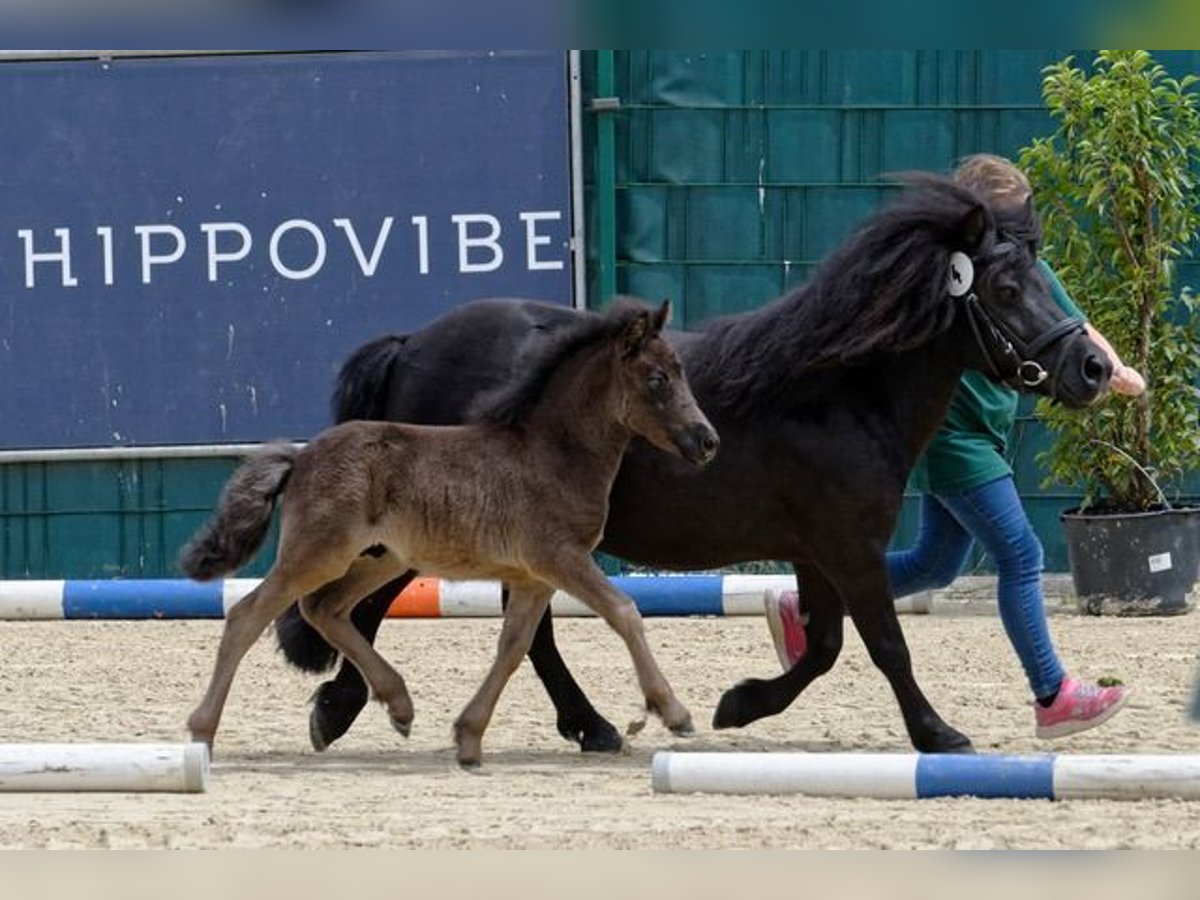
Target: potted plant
(1115,185)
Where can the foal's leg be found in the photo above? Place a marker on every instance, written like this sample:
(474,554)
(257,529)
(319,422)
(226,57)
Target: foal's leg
(245,622)
(582,578)
(578,720)
(756,698)
(328,611)
(337,702)
(526,603)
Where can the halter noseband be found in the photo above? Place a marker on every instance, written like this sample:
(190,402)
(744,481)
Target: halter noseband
(996,340)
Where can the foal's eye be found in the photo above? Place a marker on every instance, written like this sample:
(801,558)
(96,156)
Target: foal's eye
(656,382)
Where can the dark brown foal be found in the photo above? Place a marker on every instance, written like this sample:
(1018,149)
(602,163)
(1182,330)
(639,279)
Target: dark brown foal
(520,495)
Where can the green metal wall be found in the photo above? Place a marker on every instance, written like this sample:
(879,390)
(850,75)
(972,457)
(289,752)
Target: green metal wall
(722,178)
(105,519)
(734,172)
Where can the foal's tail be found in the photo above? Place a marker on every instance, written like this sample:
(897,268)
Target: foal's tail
(237,529)
(361,388)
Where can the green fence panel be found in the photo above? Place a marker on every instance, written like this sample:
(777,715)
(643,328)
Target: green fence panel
(117,518)
(722,217)
(918,139)
(803,146)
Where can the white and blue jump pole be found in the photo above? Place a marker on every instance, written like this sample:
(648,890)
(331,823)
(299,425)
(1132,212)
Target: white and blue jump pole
(913,776)
(178,598)
(174,768)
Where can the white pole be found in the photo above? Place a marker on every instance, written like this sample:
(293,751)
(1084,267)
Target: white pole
(919,775)
(178,768)
(890,776)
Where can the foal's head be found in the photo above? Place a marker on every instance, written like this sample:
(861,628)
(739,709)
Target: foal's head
(658,403)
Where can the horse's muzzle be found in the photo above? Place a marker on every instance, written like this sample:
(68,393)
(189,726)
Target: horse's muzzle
(699,444)
(1086,380)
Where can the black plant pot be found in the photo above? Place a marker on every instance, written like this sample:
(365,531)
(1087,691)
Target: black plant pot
(1134,564)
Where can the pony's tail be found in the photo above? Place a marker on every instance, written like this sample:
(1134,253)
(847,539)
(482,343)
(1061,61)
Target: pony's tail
(301,644)
(361,388)
(237,529)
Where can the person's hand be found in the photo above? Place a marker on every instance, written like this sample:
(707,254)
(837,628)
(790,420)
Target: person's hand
(1128,381)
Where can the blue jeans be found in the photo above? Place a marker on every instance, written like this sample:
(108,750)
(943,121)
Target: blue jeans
(991,514)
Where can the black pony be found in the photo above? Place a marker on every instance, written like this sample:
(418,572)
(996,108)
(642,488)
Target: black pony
(823,400)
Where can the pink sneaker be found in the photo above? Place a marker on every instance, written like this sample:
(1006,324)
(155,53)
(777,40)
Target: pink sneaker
(787,625)
(1078,707)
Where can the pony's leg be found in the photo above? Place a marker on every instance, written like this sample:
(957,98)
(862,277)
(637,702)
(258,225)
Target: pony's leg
(244,623)
(582,578)
(337,702)
(756,698)
(869,600)
(526,603)
(328,611)
(874,615)
(578,720)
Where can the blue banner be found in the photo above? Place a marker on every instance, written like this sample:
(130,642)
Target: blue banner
(190,247)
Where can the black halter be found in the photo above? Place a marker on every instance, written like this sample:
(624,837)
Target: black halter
(999,345)
(1009,358)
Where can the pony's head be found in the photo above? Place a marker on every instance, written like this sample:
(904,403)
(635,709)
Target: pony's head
(1019,335)
(659,404)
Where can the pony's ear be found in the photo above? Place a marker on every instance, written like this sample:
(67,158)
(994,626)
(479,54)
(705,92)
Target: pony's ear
(975,225)
(662,317)
(637,331)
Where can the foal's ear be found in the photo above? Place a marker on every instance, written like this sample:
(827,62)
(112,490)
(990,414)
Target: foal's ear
(637,332)
(662,317)
(975,225)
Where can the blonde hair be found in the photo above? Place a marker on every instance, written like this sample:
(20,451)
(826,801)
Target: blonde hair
(1000,182)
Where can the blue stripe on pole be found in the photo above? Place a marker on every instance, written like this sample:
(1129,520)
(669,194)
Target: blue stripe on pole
(143,599)
(963,775)
(674,595)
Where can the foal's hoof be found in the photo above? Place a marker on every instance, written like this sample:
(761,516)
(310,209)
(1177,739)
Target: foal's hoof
(683,728)
(404,726)
(740,705)
(469,746)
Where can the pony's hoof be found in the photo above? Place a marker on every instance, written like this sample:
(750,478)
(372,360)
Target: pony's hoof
(334,710)
(739,706)
(950,742)
(469,763)
(404,726)
(596,736)
(316,733)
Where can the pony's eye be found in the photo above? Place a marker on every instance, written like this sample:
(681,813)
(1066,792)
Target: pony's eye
(656,382)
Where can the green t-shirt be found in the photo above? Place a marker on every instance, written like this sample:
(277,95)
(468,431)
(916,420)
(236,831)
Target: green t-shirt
(968,450)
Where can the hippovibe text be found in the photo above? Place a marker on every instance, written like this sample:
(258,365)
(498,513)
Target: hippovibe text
(295,248)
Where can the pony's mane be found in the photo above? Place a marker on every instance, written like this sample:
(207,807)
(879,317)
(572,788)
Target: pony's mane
(881,291)
(510,403)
